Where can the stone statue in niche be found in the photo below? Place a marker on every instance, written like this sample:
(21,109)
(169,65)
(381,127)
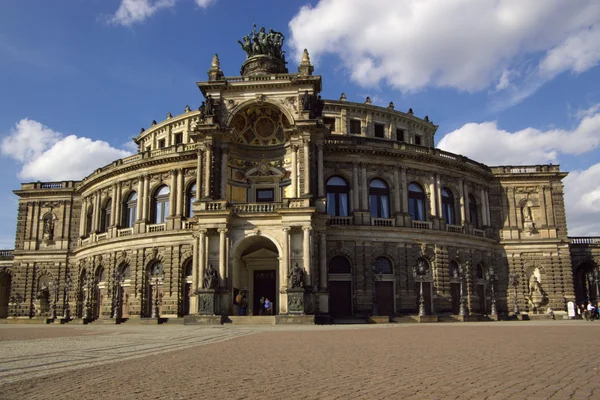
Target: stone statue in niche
(48,228)
(297,277)
(209,106)
(528,222)
(211,279)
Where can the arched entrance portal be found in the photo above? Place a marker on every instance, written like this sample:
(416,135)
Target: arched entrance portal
(586,283)
(256,274)
(5,280)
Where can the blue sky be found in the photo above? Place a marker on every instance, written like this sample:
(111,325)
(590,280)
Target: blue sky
(507,82)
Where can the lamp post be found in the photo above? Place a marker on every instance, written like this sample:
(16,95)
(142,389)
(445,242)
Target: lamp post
(376,277)
(155,282)
(87,305)
(116,314)
(596,276)
(420,275)
(66,311)
(462,311)
(55,298)
(491,278)
(514,281)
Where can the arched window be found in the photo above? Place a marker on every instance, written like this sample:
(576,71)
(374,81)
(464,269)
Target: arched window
(89,220)
(130,210)
(161,205)
(379,199)
(479,272)
(416,202)
(340,265)
(454,271)
(105,215)
(383,266)
(191,199)
(337,197)
(473,211)
(448,206)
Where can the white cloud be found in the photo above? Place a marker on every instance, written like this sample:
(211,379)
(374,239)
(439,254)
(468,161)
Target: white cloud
(582,201)
(487,143)
(47,155)
(131,12)
(468,44)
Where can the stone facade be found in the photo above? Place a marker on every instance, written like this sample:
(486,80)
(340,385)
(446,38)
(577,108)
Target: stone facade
(264,177)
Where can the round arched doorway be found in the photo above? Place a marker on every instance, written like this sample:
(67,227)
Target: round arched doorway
(256,276)
(586,283)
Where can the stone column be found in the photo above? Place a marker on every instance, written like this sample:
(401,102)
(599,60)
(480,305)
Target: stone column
(461,194)
(119,206)
(113,206)
(96,215)
(207,168)
(199,176)
(306,166)
(222,255)
(438,193)
(84,206)
(484,219)
(294,173)
(201,256)
(404,191)
(323,260)
(173,193)
(195,262)
(180,189)
(320,172)
(306,253)
(140,198)
(466,202)
(396,193)
(285,258)
(487,207)
(355,189)
(224,162)
(432,193)
(145,198)
(364,189)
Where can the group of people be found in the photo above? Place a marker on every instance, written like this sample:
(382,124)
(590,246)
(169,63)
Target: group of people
(241,301)
(589,312)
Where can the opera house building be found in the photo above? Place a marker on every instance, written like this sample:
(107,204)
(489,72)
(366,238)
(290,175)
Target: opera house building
(330,209)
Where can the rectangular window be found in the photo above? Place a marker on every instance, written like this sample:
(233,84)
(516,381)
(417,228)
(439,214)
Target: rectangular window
(418,140)
(400,135)
(178,138)
(355,127)
(265,195)
(379,130)
(331,122)
(161,143)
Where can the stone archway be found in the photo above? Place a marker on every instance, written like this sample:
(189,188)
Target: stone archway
(257,273)
(5,281)
(585,282)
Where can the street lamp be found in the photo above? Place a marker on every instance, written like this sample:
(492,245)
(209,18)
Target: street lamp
(491,278)
(155,282)
(420,275)
(87,313)
(66,311)
(55,298)
(376,277)
(462,311)
(514,281)
(116,314)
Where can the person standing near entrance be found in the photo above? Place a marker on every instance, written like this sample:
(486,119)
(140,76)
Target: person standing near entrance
(238,302)
(244,305)
(261,309)
(268,306)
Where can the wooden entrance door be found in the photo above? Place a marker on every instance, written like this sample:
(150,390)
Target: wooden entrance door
(265,282)
(384,292)
(4,294)
(455,293)
(340,299)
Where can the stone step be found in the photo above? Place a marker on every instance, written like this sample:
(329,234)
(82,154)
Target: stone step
(251,320)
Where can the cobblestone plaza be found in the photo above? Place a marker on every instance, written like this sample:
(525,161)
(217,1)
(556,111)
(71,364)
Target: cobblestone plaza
(499,360)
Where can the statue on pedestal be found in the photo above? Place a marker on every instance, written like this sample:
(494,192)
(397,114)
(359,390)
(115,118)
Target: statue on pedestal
(297,277)
(211,279)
